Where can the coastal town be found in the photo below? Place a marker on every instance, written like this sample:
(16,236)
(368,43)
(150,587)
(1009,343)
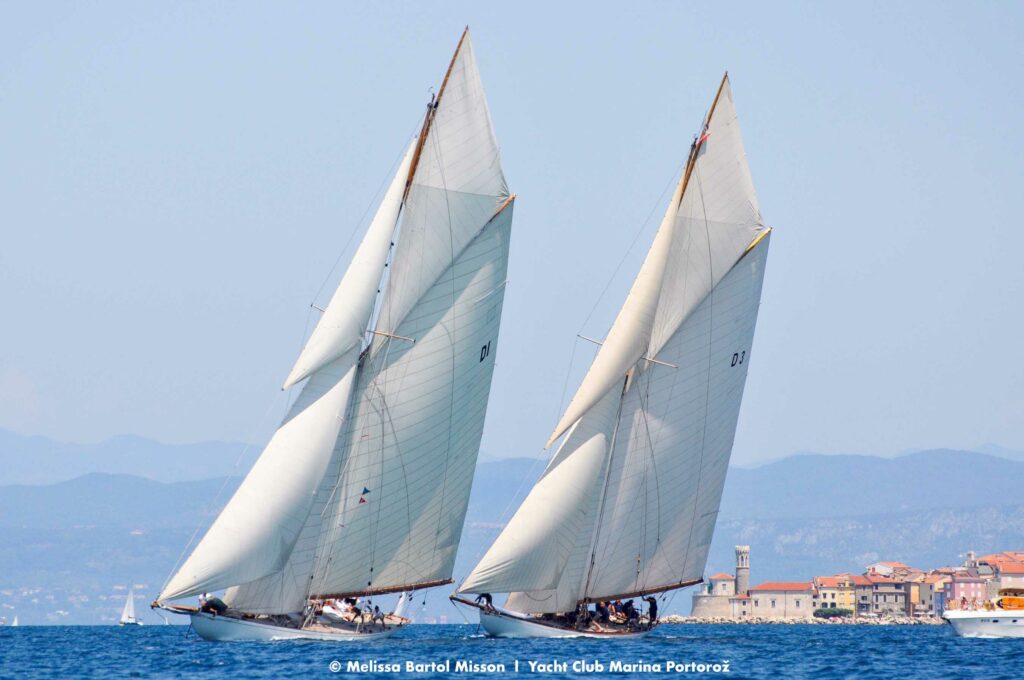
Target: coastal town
(884,592)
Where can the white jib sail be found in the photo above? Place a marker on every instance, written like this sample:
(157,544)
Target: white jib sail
(257,530)
(693,306)
(128,613)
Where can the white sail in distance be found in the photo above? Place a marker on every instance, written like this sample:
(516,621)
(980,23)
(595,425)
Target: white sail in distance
(388,424)
(128,613)
(628,503)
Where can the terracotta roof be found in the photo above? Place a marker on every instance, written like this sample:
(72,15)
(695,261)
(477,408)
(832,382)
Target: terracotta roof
(740,597)
(721,576)
(875,578)
(966,578)
(833,581)
(1011,568)
(896,565)
(860,580)
(1005,556)
(935,578)
(782,585)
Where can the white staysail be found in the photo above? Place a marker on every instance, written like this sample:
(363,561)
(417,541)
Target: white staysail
(365,484)
(628,503)
(128,613)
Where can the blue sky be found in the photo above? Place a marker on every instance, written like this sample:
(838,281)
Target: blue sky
(177,180)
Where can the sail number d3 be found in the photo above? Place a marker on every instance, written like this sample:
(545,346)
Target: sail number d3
(485,351)
(737,357)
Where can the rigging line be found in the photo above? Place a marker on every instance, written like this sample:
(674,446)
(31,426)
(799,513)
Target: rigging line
(378,502)
(451,396)
(612,546)
(632,244)
(405,476)
(711,332)
(604,490)
(650,462)
(223,485)
(608,283)
(323,545)
(359,223)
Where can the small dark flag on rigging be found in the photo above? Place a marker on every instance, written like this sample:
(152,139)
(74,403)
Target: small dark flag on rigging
(361,501)
(365,490)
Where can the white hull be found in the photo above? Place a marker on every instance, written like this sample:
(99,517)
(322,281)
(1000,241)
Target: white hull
(502,625)
(987,624)
(224,629)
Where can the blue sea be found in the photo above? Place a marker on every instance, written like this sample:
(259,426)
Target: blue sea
(739,651)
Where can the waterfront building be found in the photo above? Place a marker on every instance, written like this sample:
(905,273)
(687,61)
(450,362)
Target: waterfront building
(862,587)
(783,600)
(912,589)
(835,592)
(1009,575)
(740,606)
(896,570)
(722,584)
(964,589)
(887,595)
(931,593)
(742,569)
(715,598)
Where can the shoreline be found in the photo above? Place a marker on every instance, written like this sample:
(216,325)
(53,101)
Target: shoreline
(836,621)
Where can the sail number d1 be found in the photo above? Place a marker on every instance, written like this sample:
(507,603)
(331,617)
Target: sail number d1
(485,351)
(738,357)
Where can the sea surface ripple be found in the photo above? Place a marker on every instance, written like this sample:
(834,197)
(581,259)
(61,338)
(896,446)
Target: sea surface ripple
(749,651)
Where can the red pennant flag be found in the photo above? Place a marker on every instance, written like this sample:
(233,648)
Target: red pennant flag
(361,501)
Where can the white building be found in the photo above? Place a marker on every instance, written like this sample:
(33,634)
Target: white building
(782,600)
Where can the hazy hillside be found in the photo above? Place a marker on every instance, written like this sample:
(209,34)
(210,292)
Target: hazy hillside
(38,460)
(65,548)
(838,486)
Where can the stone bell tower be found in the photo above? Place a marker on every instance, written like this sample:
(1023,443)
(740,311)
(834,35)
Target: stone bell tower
(742,569)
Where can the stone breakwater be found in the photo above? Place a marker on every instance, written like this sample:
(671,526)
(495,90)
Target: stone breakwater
(849,621)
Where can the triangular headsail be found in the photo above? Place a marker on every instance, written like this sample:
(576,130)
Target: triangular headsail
(628,502)
(365,484)
(128,613)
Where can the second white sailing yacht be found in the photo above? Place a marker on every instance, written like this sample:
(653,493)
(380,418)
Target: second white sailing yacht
(627,505)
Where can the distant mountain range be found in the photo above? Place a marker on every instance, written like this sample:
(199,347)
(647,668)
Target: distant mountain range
(69,545)
(33,459)
(812,485)
(38,460)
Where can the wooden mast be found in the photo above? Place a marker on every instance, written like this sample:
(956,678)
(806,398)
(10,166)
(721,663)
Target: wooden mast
(428,118)
(695,149)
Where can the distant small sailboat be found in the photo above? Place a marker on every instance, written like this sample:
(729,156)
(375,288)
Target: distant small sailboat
(627,504)
(128,613)
(15,622)
(363,488)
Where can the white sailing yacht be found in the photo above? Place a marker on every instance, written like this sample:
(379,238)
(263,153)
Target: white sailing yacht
(627,505)
(363,489)
(128,613)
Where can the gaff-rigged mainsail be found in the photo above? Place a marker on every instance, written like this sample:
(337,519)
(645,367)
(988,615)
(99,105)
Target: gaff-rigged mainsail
(364,486)
(628,503)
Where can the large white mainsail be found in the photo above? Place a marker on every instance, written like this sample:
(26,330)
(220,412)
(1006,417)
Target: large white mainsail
(364,486)
(627,505)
